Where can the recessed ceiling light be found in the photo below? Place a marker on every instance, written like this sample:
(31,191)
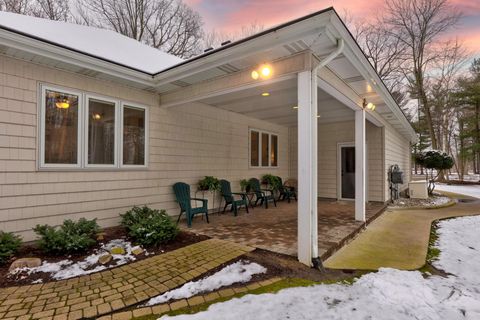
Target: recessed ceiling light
(318,116)
(295,107)
(265,94)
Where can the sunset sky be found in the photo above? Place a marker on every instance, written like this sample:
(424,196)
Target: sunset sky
(231,15)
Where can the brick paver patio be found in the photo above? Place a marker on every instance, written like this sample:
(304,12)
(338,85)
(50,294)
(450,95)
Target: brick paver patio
(275,228)
(112,290)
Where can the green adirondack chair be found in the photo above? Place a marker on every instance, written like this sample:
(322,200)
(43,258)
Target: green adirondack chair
(229,197)
(182,193)
(262,195)
(286,192)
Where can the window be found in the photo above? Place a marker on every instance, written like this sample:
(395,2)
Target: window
(83,131)
(254,148)
(133,136)
(263,149)
(101,117)
(60,128)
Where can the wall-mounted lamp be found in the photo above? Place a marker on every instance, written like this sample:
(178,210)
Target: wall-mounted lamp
(368,106)
(264,71)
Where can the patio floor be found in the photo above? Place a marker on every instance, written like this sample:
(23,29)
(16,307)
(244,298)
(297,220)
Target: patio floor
(275,229)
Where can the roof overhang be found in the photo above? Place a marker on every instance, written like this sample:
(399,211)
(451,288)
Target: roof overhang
(316,33)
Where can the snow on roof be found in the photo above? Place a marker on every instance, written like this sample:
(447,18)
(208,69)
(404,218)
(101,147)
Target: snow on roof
(101,43)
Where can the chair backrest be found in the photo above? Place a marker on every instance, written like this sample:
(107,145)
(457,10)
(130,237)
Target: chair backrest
(255,185)
(182,193)
(226,190)
(281,187)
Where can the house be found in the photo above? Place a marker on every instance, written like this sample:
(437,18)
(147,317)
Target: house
(92,122)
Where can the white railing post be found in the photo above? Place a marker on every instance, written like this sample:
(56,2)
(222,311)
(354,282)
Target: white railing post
(307,168)
(360,165)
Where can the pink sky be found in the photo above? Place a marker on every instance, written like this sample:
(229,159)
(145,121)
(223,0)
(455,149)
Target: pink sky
(230,15)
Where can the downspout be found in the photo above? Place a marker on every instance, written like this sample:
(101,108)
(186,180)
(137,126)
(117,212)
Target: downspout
(316,261)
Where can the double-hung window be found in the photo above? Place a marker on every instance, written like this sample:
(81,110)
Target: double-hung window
(79,130)
(263,149)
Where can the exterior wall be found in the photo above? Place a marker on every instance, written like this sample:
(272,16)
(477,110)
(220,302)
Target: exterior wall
(329,136)
(397,151)
(186,143)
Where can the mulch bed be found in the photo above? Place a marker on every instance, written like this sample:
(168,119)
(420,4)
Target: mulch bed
(31,250)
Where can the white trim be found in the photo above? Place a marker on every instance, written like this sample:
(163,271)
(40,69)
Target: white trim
(260,132)
(131,105)
(86,124)
(41,138)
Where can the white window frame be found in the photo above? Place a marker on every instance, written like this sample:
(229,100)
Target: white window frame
(116,131)
(260,132)
(82,135)
(42,125)
(126,104)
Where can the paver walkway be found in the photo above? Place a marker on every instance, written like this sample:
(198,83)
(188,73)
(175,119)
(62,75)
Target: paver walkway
(397,239)
(111,290)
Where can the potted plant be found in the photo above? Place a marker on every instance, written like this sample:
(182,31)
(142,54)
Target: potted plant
(272,181)
(245,185)
(209,183)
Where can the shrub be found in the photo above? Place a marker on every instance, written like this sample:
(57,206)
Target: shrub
(148,226)
(435,162)
(9,245)
(69,237)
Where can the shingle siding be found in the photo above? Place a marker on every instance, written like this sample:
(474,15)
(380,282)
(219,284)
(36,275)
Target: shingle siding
(186,143)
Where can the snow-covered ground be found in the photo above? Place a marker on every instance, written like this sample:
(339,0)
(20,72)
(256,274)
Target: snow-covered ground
(469,190)
(238,272)
(386,294)
(66,269)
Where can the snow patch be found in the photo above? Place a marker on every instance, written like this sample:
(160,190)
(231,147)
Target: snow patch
(238,272)
(469,190)
(386,294)
(66,269)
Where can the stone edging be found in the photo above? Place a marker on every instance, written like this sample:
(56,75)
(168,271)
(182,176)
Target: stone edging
(190,302)
(440,206)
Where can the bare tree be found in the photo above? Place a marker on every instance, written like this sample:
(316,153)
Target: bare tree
(417,24)
(16,6)
(215,38)
(51,9)
(169,25)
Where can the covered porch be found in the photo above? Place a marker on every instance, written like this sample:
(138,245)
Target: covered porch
(275,229)
(317,99)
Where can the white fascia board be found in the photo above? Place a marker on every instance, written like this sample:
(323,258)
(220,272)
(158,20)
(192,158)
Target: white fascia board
(51,51)
(358,59)
(238,51)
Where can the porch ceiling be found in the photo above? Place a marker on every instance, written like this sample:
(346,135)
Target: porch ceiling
(278,107)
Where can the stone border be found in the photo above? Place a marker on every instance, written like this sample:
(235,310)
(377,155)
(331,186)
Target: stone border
(161,309)
(440,206)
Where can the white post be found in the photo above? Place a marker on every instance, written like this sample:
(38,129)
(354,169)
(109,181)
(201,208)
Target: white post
(360,169)
(307,167)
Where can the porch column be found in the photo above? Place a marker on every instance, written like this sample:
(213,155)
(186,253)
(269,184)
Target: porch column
(307,168)
(360,169)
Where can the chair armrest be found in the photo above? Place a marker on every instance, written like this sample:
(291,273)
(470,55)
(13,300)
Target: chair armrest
(243,195)
(199,199)
(269,190)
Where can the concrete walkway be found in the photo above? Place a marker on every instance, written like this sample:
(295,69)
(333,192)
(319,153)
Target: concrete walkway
(112,290)
(397,239)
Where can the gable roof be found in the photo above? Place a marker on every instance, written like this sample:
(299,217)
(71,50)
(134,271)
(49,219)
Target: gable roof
(100,43)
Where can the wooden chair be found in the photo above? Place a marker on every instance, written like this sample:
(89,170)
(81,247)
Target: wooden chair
(286,191)
(182,193)
(229,197)
(262,195)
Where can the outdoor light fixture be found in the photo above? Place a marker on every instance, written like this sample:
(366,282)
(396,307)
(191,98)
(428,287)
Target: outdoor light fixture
(295,107)
(62,103)
(96,116)
(265,94)
(264,71)
(368,106)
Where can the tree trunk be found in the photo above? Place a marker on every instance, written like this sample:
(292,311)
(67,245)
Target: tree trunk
(426,108)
